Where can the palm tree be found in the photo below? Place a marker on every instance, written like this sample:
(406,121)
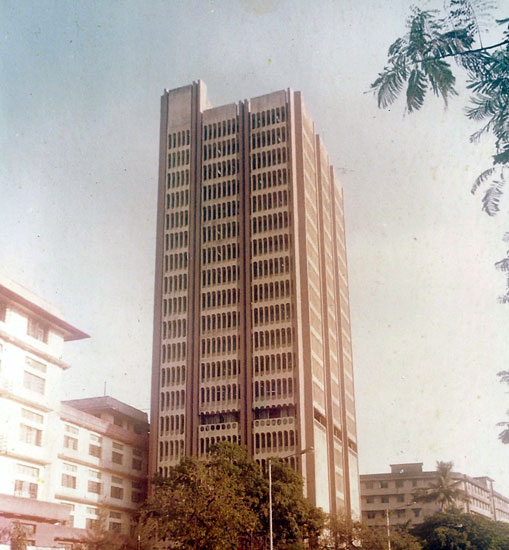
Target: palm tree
(444,491)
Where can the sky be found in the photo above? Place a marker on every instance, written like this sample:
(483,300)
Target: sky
(79,130)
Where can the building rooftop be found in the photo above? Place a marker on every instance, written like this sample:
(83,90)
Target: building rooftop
(94,405)
(27,300)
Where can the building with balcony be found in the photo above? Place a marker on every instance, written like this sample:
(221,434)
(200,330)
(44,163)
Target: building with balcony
(252,336)
(61,463)
(394,494)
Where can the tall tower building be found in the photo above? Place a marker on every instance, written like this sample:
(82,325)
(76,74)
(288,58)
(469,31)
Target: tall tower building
(251,321)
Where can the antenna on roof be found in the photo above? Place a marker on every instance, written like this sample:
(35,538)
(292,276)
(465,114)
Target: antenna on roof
(105,388)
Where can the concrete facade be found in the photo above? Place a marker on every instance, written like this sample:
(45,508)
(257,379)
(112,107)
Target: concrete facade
(393,493)
(251,321)
(60,463)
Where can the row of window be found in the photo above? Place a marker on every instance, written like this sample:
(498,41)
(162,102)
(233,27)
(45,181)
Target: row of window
(265,180)
(221,189)
(173,400)
(266,159)
(275,441)
(266,118)
(175,261)
(171,450)
(271,314)
(177,199)
(220,298)
(219,211)
(269,137)
(171,376)
(270,222)
(271,266)
(173,352)
(220,369)
(176,219)
(219,129)
(219,321)
(278,337)
(174,305)
(273,389)
(179,178)
(271,291)
(174,329)
(178,158)
(220,231)
(268,201)
(385,499)
(220,253)
(221,344)
(171,424)
(272,243)
(216,394)
(220,169)
(269,364)
(178,139)
(220,275)
(175,283)
(382,514)
(176,240)
(219,149)
(386,484)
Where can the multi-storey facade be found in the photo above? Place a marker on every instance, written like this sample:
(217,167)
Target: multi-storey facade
(394,493)
(61,464)
(251,324)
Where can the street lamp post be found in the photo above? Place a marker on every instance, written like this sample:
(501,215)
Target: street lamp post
(308,450)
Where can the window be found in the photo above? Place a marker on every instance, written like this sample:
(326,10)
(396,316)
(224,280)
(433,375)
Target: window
(94,487)
(116,492)
(31,416)
(417,512)
(33,382)
(384,484)
(117,421)
(400,498)
(116,458)
(70,443)
(137,464)
(69,475)
(115,527)
(94,448)
(71,429)
(368,484)
(25,489)
(136,497)
(414,483)
(385,499)
(30,435)
(2,311)
(370,500)
(27,471)
(118,446)
(37,365)
(371,515)
(399,483)
(37,330)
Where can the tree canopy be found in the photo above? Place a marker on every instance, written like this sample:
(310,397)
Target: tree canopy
(420,62)
(457,531)
(209,505)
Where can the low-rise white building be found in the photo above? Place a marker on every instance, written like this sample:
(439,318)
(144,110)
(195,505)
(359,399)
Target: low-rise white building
(62,465)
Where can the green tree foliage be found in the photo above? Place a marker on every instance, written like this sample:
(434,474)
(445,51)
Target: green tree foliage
(343,534)
(444,491)
(99,537)
(457,531)
(420,62)
(18,537)
(209,505)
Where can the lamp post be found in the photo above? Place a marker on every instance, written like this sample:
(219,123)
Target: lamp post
(308,450)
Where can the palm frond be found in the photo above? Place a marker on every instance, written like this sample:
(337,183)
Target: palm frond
(416,91)
(502,157)
(389,84)
(481,178)
(491,199)
(476,136)
(504,376)
(503,265)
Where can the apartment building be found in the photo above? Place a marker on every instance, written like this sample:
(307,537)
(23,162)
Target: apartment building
(61,464)
(252,336)
(393,494)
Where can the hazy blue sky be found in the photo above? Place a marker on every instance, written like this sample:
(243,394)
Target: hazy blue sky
(79,133)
